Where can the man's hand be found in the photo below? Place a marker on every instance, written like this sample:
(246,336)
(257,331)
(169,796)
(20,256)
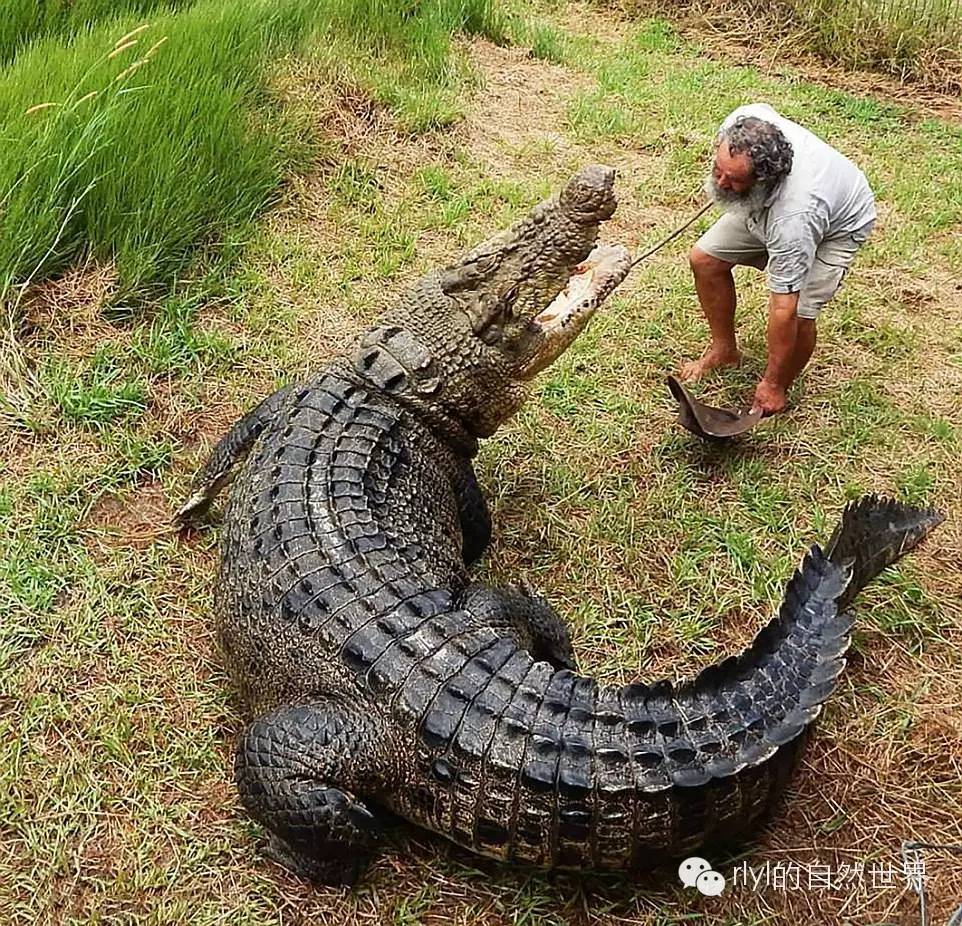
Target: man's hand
(769,398)
(782,354)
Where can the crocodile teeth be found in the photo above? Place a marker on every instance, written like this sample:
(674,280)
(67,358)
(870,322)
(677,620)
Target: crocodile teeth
(577,287)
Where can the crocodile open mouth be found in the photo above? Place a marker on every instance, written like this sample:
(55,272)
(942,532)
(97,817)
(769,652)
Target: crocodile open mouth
(590,283)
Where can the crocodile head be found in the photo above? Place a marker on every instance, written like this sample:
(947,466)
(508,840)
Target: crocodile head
(464,343)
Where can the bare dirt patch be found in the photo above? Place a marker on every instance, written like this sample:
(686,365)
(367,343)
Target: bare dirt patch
(136,519)
(519,109)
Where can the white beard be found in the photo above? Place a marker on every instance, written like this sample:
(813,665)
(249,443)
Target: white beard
(750,202)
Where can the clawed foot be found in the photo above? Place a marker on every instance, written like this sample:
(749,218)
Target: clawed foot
(337,862)
(712,359)
(194,508)
(332,872)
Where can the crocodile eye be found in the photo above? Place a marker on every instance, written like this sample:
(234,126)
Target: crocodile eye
(487,263)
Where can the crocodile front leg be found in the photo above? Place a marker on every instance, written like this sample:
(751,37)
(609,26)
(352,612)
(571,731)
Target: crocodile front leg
(301,772)
(527,618)
(231,449)
(474,515)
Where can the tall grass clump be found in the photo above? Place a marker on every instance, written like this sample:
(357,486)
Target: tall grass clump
(422,27)
(546,42)
(24,21)
(401,52)
(135,143)
(913,39)
(918,41)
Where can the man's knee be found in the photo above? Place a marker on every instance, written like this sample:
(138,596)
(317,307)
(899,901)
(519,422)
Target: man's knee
(704,264)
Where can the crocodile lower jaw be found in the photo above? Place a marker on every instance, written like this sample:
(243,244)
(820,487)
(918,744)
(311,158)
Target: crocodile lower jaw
(563,320)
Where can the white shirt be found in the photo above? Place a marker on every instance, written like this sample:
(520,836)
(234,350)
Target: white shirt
(824,196)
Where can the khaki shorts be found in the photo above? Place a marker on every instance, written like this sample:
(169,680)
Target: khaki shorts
(730,240)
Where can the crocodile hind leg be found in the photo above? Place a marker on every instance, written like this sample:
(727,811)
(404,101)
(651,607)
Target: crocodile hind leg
(301,772)
(525,617)
(232,448)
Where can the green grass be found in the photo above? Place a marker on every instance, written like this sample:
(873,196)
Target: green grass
(24,21)
(401,53)
(33,570)
(139,142)
(663,554)
(547,43)
(914,39)
(173,343)
(144,151)
(101,393)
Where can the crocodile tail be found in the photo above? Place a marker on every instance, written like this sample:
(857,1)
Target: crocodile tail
(725,742)
(747,716)
(767,695)
(873,533)
(229,452)
(703,760)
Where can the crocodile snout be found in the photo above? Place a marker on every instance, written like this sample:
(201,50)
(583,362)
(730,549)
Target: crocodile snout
(589,197)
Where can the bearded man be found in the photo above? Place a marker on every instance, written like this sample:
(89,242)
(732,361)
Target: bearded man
(795,207)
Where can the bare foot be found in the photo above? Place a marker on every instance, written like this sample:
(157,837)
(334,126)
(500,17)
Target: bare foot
(710,360)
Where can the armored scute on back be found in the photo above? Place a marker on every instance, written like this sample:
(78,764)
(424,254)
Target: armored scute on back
(378,678)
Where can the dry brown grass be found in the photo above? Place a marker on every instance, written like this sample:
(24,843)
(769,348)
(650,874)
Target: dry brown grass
(69,311)
(134,521)
(776,43)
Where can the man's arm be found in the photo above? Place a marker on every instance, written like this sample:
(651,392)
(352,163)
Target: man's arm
(791,241)
(783,349)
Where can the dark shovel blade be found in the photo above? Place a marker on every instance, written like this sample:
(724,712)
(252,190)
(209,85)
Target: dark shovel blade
(706,421)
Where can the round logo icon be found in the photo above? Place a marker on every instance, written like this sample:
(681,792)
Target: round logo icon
(710,883)
(690,869)
(697,873)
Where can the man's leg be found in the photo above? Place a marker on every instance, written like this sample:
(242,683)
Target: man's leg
(715,286)
(727,243)
(791,340)
(833,258)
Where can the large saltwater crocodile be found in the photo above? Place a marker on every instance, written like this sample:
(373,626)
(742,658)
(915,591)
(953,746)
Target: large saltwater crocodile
(381,682)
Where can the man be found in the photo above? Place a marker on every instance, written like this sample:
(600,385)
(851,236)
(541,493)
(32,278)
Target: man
(794,206)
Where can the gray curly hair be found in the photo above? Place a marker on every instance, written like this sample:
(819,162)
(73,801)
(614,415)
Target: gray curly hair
(767,148)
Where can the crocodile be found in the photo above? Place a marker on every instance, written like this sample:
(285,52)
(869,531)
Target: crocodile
(378,681)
